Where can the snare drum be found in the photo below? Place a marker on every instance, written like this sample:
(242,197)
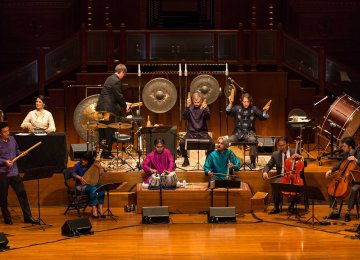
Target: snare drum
(154,179)
(344,115)
(169,179)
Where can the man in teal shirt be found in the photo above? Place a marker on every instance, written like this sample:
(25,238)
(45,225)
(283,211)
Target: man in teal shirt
(221,161)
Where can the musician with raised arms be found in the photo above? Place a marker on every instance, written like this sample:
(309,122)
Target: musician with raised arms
(9,176)
(197,114)
(221,162)
(245,115)
(351,157)
(158,160)
(79,170)
(278,159)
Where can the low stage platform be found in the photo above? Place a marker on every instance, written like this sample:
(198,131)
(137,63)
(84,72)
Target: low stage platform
(194,198)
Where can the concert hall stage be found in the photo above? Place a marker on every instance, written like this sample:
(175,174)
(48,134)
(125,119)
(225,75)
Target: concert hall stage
(53,191)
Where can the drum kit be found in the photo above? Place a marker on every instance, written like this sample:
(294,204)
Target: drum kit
(87,121)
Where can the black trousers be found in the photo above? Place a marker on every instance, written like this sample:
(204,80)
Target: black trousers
(278,196)
(107,135)
(18,186)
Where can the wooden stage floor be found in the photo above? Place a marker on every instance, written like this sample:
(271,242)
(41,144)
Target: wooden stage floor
(258,236)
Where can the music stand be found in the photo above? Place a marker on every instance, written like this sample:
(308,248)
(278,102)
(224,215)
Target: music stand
(227,184)
(314,193)
(244,144)
(37,174)
(197,144)
(108,187)
(284,187)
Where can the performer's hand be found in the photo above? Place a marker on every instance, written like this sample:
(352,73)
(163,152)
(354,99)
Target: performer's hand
(210,174)
(9,163)
(30,128)
(351,158)
(83,182)
(296,155)
(265,176)
(203,105)
(230,164)
(231,101)
(188,102)
(153,170)
(327,174)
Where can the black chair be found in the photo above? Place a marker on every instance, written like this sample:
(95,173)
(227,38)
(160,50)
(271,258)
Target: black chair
(77,200)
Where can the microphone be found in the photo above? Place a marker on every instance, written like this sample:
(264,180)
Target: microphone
(230,79)
(234,82)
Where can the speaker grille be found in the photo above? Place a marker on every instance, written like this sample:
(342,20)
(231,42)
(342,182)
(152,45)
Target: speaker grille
(221,214)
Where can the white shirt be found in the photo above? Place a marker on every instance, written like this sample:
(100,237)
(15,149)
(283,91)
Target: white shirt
(39,119)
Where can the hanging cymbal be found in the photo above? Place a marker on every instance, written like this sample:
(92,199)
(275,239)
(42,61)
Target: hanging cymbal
(120,125)
(208,86)
(159,95)
(83,115)
(98,115)
(93,125)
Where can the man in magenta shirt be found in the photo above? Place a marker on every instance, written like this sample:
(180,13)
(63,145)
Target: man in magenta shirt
(158,161)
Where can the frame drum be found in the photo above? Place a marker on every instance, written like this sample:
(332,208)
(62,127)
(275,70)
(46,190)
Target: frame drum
(344,115)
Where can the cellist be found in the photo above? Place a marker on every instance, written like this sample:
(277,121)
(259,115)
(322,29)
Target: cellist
(278,159)
(352,155)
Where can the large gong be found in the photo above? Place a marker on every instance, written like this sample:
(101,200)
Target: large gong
(84,116)
(208,86)
(159,95)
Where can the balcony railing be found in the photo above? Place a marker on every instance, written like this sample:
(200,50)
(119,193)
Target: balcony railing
(243,49)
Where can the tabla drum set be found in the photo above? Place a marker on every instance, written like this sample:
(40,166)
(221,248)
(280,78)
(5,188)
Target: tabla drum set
(166,180)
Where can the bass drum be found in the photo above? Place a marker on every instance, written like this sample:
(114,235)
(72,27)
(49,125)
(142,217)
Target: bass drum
(344,115)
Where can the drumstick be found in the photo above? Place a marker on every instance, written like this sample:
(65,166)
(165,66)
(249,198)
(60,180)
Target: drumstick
(24,153)
(267,104)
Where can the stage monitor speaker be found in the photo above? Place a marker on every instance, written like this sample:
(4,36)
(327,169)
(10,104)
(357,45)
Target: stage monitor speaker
(159,214)
(76,150)
(221,215)
(266,145)
(169,138)
(77,227)
(3,242)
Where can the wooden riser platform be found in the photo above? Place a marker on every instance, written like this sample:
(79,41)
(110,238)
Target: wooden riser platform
(194,199)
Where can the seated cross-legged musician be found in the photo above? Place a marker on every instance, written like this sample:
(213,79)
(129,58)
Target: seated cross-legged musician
(158,161)
(197,114)
(245,115)
(278,159)
(221,161)
(96,199)
(353,156)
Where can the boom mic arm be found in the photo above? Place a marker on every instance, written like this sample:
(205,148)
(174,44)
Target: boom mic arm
(236,84)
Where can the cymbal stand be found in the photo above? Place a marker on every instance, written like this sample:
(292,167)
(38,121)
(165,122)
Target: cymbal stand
(245,164)
(123,150)
(302,149)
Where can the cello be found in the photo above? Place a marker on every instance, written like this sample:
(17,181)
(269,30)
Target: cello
(293,169)
(339,186)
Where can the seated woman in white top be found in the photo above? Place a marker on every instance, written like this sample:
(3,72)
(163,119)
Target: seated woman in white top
(39,118)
